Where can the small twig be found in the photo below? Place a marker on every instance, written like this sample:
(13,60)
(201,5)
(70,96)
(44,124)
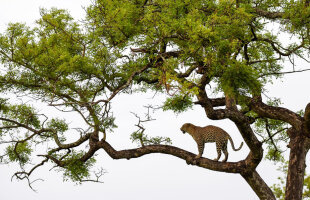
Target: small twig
(270,137)
(279,131)
(25,175)
(140,126)
(98,175)
(128,82)
(281,73)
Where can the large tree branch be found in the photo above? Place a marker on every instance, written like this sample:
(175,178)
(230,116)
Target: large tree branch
(206,103)
(258,185)
(230,167)
(216,102)
(243,125)
(277,113)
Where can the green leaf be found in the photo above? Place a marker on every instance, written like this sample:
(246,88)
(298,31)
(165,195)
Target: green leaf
(59,125)
(178,103)
(75,169)
(239,78)
(142,139)
(19,152)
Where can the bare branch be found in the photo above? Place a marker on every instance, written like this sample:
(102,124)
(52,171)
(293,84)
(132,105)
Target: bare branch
(271,137)
(282,73)
(25,175)
(277,47)
(98,175)
(128,82)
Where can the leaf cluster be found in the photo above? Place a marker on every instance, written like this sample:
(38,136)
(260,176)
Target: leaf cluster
(19,153)
(178,103)
(142,139)
(75,169)
(22,113)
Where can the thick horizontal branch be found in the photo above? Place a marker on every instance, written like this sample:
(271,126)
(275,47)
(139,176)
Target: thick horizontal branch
(214,102)
(277,113)
(230,167)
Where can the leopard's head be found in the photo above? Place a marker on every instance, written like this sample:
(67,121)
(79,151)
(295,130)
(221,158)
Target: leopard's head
(184,128)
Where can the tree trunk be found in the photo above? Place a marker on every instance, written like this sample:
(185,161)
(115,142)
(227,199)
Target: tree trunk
(296,168)
(258,185)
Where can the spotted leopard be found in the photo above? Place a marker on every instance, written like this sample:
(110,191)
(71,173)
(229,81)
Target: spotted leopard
(208,134)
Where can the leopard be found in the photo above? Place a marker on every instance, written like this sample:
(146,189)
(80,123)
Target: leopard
(209,134)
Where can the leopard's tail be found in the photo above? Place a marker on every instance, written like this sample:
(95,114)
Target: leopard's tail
(233,146)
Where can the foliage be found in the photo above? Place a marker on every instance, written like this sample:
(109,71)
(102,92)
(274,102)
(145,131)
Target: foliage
(58,125)
(279,189)
(142,139)
(240,79)
(75,169)
(24,114)
(178,103)
(183,49)
(19,152)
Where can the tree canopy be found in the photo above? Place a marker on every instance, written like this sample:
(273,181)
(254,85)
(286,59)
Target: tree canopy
(216,55)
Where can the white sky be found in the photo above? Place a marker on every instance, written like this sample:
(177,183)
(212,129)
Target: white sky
(153,176)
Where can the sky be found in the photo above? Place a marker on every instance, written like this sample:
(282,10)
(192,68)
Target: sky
(153,176)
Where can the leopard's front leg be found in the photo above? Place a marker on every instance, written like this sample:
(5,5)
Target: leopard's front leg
(201,146)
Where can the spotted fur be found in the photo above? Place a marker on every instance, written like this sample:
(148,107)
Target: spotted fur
(208,134)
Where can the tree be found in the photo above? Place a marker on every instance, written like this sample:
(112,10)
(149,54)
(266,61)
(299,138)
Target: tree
(187,50)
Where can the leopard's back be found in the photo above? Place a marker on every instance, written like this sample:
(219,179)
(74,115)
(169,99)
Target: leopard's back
(213,134)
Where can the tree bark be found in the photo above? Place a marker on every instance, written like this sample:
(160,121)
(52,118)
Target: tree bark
(244,167)
(296,167)
(258,185)
(229,167)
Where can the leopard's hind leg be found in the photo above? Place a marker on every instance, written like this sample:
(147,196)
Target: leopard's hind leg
(218,149)
(224,149)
